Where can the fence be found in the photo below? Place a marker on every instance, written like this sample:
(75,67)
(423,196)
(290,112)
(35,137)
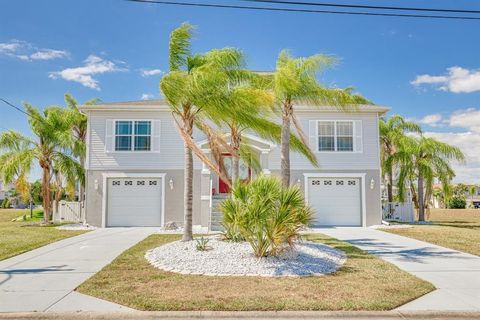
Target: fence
(71,211)
(398,211)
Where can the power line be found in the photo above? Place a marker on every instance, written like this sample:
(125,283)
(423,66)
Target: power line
(23,111)
(356,6)
(206,5)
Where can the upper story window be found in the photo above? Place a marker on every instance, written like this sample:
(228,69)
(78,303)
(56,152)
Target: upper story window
(133,135)
(335,136)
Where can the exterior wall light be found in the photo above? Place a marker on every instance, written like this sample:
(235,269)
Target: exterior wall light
(170,183)
(372,184)
(95,184)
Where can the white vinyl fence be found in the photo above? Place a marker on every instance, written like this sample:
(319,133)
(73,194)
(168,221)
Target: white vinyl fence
(70,211)
(398,211)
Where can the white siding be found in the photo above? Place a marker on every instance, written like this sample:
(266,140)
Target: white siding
(366,158)
(170,146)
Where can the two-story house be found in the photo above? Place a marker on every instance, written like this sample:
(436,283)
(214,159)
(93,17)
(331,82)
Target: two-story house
(135,166)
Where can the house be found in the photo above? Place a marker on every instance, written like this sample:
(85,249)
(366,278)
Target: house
(4,188)
(134,166)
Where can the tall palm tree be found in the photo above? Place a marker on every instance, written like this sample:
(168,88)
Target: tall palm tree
(51,148)
(424,160)
(194,90)
(392,131)
(295,82)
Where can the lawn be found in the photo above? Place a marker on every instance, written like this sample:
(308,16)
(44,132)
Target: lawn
(457,229)
(17,237)
(363,283)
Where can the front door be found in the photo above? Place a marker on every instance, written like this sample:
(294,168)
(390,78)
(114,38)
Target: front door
(244,173)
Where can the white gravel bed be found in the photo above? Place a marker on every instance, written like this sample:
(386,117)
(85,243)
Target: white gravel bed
(225,258)
(76,226)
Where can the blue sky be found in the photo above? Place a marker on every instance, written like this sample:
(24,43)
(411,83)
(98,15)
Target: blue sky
(114,50)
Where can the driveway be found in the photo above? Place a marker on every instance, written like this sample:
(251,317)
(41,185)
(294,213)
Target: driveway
(44,279)
(456,275)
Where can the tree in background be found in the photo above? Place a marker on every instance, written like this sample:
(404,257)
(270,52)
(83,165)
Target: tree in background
(52,146)
(392,130)
(424,160)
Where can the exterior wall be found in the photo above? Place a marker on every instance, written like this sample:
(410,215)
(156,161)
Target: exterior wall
(372,196)
(173,197)
(169,157)
(367,159)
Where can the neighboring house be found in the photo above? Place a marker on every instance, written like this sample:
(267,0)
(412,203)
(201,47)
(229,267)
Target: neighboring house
(135,166)
(4,188)
(472,201)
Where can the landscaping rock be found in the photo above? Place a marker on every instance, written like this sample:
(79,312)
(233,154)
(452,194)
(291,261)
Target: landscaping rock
(171,225)
(237,259)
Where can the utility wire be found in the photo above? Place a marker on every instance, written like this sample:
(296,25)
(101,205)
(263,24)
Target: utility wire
(356,6)
(23,111)
(207,5)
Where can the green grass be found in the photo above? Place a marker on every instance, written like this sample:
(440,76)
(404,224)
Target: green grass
(457,229)
(363,283)
(20,236)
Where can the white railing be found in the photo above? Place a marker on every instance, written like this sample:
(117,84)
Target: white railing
(70,211)
(398,211)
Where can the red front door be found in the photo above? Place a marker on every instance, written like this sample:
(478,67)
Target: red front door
(244,173)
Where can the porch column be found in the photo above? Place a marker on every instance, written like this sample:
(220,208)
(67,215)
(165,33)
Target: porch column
(264,162)
(205,195)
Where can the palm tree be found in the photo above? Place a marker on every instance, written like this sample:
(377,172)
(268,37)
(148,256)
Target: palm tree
(194,90)
(424,160)
(295,82)
(391,131)
(472,190)
(50,149)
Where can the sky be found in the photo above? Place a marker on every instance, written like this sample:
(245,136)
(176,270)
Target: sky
(423,69)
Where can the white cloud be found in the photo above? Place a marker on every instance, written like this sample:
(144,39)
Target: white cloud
(457,80)
(147,96)
(93,65)
(27,52)
(432,120)
(150,72)
(468,141)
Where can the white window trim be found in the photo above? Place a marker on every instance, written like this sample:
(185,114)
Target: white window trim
(354,143)
(114,128)
(361,176)
(118,175)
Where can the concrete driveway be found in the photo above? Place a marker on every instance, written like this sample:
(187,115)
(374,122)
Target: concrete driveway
(44,279)
(456,275)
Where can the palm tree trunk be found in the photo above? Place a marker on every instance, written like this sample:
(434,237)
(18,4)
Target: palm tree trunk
(46,194)
(285,144)
(390,184)
(58,191)
(235,144)
(421,205)
(188,185)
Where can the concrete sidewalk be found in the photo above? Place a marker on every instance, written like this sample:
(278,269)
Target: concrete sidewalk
(456,275)
(244,315)
(44,279)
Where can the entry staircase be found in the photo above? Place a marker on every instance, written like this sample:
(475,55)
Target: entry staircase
(216,215)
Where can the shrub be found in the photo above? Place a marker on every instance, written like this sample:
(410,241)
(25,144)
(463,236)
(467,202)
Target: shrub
(5,203)
(457,203)
(265,214)
(202,244)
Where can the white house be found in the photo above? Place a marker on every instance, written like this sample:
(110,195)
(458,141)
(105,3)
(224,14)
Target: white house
(135,166)
(4,188)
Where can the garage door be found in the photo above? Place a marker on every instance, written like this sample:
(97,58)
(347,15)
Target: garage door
(134,202)
(336,201)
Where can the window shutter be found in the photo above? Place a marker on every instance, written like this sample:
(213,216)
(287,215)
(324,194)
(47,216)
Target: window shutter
(358,135)
(313,135)
(109,135)
(155,136)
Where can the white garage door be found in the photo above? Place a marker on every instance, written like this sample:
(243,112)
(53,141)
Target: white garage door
(134,202)
(336,201)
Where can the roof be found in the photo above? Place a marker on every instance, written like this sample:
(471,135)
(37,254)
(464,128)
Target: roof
(160,104)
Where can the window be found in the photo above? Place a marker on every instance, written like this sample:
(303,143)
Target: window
(335,136)
(133,135)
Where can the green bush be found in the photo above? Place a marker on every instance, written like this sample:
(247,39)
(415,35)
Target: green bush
(457,203)
(265,214)
(5,203)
